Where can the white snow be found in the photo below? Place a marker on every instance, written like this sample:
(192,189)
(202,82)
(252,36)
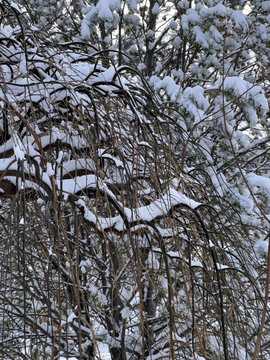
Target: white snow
(105,13)
(168,84)
(72,186)
(193,16)
(261,246)
(239,19)
(161,206)
(257,180)
(221,267)
(200,37)
(244,89)
(217,10)
(265,5)
(18,147)
(155,9)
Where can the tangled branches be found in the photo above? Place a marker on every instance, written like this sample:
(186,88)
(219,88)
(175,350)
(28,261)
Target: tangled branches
(105,238)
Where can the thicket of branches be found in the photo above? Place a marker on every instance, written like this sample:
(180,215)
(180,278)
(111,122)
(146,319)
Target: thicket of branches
(134,182)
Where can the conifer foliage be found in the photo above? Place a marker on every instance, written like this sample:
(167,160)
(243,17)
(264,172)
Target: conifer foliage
(134,179)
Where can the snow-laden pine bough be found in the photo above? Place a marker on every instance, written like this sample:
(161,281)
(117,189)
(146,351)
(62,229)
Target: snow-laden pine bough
(106,238)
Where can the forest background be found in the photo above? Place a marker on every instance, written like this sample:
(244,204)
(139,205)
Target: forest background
(134,179)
